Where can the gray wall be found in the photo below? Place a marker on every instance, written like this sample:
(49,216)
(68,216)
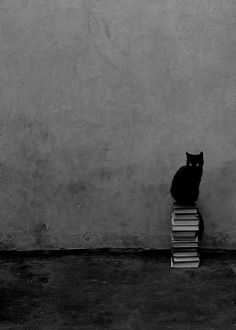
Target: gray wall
(99,100)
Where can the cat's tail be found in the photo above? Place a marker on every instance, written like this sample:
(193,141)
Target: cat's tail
(201,225)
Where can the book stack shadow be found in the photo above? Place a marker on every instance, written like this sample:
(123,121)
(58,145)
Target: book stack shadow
(185,237)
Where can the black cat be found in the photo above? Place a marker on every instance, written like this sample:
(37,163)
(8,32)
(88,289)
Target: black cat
(185,184)
(186,181)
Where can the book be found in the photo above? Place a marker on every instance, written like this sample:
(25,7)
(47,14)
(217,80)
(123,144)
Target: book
(192,252)
(185,245)
(185,222)
(185,239)
(186,259)
(185,216)
(185,228)
(186,253)
(192,264)
(187,207)
(185,211)
(188,239)
(184,234)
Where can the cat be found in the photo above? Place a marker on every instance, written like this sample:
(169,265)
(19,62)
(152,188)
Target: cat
(185,184)
(186,181)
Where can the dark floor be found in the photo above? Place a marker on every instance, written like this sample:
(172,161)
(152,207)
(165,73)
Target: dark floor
(117,292)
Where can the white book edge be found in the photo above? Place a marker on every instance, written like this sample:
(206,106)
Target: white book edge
(193,240)
(185,228)
(185,254)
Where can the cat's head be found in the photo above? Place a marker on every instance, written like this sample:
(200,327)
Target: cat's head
(195,161)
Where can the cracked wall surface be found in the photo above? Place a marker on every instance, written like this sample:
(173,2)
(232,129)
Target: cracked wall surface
(99,101)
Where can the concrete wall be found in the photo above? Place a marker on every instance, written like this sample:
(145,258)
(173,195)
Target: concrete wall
(99,100)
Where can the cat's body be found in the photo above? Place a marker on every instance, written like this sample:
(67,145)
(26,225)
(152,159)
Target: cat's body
(186,181)
(185,184)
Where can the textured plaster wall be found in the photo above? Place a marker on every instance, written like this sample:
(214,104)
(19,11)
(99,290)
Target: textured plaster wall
(99,100)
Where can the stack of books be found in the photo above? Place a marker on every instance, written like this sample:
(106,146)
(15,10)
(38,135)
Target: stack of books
(185,230)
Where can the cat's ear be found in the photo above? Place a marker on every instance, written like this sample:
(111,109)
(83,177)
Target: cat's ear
(201,157)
